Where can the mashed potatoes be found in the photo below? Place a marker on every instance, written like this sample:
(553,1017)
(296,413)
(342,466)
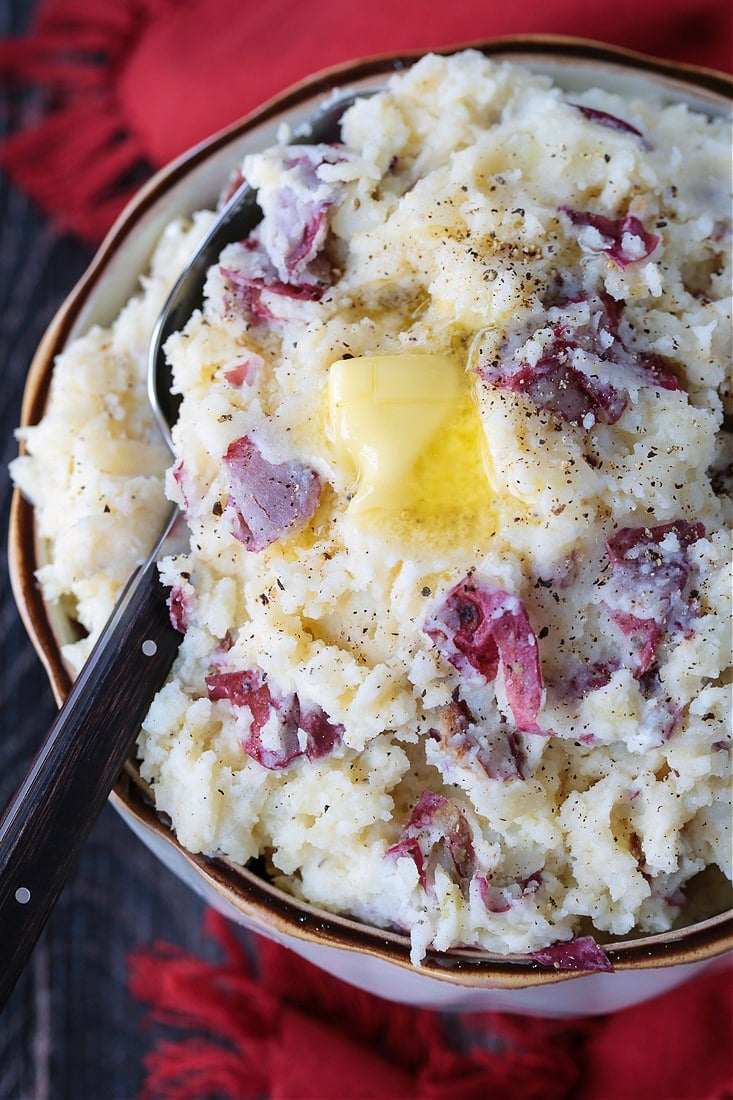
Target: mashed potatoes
(456,612)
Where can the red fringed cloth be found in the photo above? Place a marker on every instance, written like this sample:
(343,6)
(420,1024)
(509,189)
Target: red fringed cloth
(129,84)
(287,1031)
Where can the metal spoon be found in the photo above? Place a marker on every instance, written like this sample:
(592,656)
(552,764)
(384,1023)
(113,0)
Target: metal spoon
(237,219)
(52,813)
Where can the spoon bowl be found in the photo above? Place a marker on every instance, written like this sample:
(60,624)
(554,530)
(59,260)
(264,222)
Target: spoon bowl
(237,219)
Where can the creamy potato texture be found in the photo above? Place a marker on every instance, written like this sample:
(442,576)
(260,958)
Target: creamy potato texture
(455,618)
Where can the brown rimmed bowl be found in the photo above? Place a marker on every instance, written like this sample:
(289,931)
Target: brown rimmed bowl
(371,958)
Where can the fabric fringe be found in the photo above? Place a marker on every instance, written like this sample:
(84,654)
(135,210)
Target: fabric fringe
(285,1030)
(72,56)
(292,1032)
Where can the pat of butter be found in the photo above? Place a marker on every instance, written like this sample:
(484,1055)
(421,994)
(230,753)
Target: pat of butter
(384,411)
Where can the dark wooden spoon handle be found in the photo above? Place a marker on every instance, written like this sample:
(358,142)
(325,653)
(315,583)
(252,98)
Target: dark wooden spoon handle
(51,815)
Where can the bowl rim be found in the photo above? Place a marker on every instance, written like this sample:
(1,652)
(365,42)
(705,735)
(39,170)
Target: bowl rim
(267,906)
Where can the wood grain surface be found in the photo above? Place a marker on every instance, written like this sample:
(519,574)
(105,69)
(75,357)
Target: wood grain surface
(70,1029)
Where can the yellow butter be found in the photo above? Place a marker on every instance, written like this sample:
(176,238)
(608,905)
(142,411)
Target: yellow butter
(410,428)
(384,409)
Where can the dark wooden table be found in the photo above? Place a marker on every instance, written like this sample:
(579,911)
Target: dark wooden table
(70,1029)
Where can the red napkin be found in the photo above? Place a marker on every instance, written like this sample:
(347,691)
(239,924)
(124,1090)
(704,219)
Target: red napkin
(131,84)
(291,1032)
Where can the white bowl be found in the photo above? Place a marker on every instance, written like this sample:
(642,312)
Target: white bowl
(370,958)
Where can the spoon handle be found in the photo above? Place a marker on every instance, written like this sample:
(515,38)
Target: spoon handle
(52,813)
